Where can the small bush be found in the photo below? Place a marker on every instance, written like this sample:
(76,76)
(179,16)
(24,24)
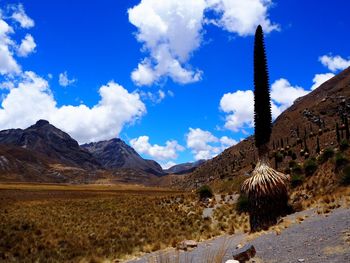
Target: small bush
(297,170)
(296,179)
(310,166)
(279,157)
(345,178)
(205,192)
(242,204)
(326,155)
(340,160)
(344,144)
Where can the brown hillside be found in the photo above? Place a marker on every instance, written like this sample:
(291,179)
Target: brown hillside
(19,164)
(315,114)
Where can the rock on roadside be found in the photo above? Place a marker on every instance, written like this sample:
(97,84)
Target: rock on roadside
(245,253)
(187,244)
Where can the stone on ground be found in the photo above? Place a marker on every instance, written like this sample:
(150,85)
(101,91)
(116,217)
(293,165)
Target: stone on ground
(244,254)
(186,244)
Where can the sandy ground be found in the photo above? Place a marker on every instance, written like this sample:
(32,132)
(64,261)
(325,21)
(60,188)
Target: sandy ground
(309,238)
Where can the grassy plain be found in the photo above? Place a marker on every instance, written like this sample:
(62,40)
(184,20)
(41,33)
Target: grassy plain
(74,223)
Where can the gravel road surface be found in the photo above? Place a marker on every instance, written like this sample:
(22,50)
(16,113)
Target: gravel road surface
(317,239)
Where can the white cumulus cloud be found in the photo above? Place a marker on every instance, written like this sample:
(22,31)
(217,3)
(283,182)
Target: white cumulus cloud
(227,142)
(242,17)
(64,81)
(319,79)
(204,145)
(334,63)
(239,105)
(168,151)
(172,30)
(162,26)
(283,94)
(27,46)
(8,65)
(8,46)
(20,16)
(31,99)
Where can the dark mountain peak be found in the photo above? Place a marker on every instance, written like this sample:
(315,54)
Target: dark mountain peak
(46,139)
(115,153)
(40,123)
(116,140)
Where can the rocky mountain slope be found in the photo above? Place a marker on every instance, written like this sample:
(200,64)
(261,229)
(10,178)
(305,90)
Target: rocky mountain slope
(116,153)
(45,139)
(311,118)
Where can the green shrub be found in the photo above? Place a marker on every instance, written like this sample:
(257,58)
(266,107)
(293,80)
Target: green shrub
(344,144)
(205,192)
(296,179)
(297,170)
(326,155)
(345,177)
(310,166)
(242,203)
(279,157)
(340,160)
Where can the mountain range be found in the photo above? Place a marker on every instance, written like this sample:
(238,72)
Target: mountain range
(43,152)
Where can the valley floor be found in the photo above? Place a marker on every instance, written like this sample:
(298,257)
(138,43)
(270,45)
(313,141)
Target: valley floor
(112,223)
(302,237)
(74,223)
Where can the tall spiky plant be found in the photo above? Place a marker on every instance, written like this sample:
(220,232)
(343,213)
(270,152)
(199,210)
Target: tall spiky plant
(266,188)
(337,132)
(262,103)
(347,131)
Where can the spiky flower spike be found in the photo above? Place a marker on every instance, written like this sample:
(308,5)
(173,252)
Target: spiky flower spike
(266,188)
(262,104)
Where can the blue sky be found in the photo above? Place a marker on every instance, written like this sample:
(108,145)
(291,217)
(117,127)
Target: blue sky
(171,78)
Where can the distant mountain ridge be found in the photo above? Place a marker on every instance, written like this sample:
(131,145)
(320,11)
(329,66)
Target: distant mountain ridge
(184,167)
(115,153)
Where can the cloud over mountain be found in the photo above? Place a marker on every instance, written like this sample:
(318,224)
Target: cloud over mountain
(31,99)
(204,145)
(168,151)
